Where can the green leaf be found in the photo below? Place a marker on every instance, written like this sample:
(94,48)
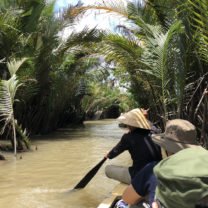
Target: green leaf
(14,65)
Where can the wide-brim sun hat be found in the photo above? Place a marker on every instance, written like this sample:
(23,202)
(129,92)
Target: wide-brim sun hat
(134,118)
(182,178)
(179,134)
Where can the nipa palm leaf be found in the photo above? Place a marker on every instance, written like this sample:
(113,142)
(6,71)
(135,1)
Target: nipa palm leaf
(8,90)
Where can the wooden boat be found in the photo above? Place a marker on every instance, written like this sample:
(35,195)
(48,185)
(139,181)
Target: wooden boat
(113,197)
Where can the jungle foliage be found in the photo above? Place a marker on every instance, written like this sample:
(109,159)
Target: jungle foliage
(156,58)
(53,79)
(162,45)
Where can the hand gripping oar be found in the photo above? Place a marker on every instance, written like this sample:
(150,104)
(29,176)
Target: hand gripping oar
(89,175)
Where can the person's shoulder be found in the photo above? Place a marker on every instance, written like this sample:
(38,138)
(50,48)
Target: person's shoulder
(125,137)
(130,135)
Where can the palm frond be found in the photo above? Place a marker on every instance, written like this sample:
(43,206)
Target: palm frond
(199,21)
(155,57)
(113,7)
(23,134)
(14,65)
(7,93)
(32,13)
(120,49)
(85,37)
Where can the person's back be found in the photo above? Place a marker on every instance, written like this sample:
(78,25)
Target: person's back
(141,148)
(139,144)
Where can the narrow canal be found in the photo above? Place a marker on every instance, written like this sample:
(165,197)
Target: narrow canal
(43,179)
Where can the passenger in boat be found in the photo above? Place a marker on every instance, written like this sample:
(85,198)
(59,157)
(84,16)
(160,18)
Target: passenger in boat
(179,134)
(139,144)
(183,179)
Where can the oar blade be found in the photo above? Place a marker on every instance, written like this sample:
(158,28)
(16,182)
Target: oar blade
(87,178)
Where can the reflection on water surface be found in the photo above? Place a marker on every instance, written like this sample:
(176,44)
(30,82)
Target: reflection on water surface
(43,179)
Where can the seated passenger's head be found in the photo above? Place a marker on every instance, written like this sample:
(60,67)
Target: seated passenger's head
(179,134)
(134,119)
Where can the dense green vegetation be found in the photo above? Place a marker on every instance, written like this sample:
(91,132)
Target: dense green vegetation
(158,61)
(162,46)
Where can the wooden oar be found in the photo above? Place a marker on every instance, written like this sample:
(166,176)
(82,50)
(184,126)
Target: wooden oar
(89,175)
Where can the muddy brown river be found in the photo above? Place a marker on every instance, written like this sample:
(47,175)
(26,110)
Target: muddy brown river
(44,178)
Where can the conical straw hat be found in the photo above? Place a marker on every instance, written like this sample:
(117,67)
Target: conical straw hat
(134,118)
